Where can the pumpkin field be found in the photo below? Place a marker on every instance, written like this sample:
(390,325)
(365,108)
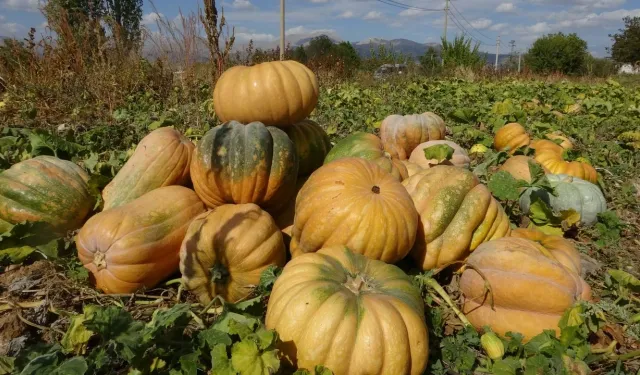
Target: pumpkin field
(287,224)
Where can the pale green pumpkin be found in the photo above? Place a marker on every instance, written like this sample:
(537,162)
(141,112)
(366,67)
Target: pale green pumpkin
(573,193)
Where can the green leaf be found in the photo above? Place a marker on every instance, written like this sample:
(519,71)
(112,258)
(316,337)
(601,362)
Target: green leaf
(245,305)
(189,363)
(506,366)
(229,319)
(439,153)
(177,315)
(6,365)
(73,366)
(43,364)
(77,336)
(15,255)
(625,280)
(247,359)
(212,337)
(241,329)
(220,363)
(505,187)
(266,338)
(269,277)
(45,143)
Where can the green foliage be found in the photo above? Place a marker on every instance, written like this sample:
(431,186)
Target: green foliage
(439,153)
(460,53)
(127,14)
(558,53)
(626,43)
(608,227)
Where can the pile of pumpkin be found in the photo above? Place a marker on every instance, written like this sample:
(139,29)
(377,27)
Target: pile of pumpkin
(268,180)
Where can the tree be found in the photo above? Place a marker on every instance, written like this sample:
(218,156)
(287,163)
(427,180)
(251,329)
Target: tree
(319,46)
(300,55)
(461,53)
(558,53)
(626,44)
(430,61)
(345,52)
(127,14)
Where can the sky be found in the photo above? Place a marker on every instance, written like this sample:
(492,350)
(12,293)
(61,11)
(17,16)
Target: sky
(521,21)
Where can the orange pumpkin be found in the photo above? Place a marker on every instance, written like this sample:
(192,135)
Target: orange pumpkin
(355,203)
(460,157)
(457,214)
(278,93)
(226,250)
(565,142)
(549,155)
(511,136)
(402,134)
(162,158)
(350,314)
(412,168)
(137,244)
(518,167)
(533,283)
(284,220)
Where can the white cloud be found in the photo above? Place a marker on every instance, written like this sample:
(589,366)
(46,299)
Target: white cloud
(151,18)
(481,23)
(411,13)
(506,8)
(498,26)
(28,5)
(10,28)
(242,4)
(539,28)
(256,37)
(319,1)
(346,14)
(372,15)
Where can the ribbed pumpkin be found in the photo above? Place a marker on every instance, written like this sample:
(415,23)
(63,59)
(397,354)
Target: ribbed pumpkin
(45,189)
(511,136)
(402,134)
(518,167)
(226,250)
(137,245)
(532,285)
(312,145)
(457,214)
(355,203)
(549,155)
(162,158)
(557,136)
(350,314)
(412,168)
(460,157)
(572,194)
(284,219)
(369,147)
(253,163)
(275,93)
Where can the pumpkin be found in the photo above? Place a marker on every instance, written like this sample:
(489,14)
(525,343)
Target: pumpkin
(137,244)
(549,155)
(457,213)
(572,194)
(556,136)
(312,145)
(369,147)
(511,136)
(402,134)
(226,249)
(518,167)
(350,314)
(162,158)
(275,93)
(45,189)
(460,157)
(532,285)
(253,163)
(355,203)
(284,220)
(412,168)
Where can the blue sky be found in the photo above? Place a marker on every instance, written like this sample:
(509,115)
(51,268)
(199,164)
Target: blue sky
(358,20)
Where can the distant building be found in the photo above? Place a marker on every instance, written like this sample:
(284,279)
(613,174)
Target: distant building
(630,69)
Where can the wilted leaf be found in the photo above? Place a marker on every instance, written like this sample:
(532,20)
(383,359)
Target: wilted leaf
(625,279)
(77,336)
(439,153)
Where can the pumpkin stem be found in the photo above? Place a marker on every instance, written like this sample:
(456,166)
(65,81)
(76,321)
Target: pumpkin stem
(355,284)
(100,261)
(219,274)
(375,189)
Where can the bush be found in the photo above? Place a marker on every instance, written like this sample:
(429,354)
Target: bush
(558,53)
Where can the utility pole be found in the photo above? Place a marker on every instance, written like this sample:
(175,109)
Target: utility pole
(446,21)
(281,30)
(519,59)
(497,52)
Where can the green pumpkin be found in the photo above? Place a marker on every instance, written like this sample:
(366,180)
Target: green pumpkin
(312,145)
(369,147)
(573,193)
(45,189)
(237,164)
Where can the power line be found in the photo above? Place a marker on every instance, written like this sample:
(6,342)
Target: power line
(469,23)
(398,4)
(458,24)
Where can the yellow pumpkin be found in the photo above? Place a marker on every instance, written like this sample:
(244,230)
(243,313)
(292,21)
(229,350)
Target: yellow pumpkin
(518,167)
(412,168)
(457,214)
(350,314)
(137,244)
(402,134)
(565,142)
(511,136)
(278,93)
(355,203)
(532,284)
(460,157)
(549,155)
(162,158)
(226,250)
